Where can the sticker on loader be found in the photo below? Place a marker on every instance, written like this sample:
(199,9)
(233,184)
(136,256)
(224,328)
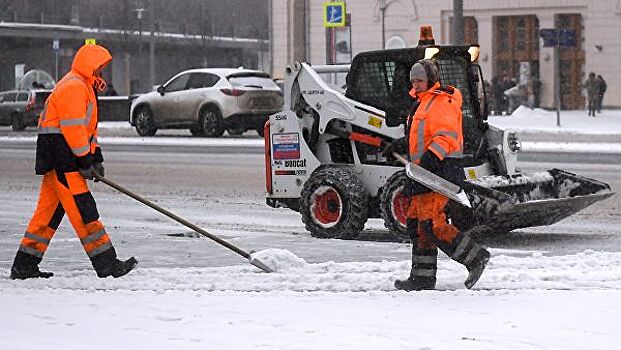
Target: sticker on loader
(286,146)
(376,122)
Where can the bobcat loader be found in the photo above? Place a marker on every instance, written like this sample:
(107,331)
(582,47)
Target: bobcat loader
(323,152)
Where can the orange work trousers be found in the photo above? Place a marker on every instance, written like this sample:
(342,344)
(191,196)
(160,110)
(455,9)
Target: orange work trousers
(65,193)
(430,206)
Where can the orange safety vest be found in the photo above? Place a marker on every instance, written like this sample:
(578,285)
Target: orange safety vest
(67,130)
(437,124)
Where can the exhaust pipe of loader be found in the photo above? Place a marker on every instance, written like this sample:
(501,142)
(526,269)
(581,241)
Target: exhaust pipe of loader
(186,223)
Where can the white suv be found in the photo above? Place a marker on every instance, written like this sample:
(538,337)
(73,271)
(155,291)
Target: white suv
(208,101)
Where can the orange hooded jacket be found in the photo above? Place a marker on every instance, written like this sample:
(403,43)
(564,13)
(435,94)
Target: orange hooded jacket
(436,126)
(67,127)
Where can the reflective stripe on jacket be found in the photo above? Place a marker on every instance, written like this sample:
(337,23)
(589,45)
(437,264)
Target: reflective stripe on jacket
(67,127)
(436,126)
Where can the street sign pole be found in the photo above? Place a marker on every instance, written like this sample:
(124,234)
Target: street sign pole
(56,48)
(557,74)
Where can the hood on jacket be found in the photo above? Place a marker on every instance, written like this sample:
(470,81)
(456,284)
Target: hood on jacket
(88,59)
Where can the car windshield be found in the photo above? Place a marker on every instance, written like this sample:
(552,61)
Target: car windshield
(257,81)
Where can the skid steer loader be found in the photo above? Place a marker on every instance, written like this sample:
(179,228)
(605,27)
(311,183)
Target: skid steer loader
(323,152)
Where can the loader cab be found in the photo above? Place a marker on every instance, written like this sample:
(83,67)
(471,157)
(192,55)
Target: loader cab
(381,79)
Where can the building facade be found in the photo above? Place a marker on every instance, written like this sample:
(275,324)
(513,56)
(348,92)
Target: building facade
(150,40)
(508,32)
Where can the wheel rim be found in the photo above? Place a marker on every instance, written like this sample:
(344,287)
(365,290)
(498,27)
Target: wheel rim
(326,206)
(143,122)
(210,122)
(399,204)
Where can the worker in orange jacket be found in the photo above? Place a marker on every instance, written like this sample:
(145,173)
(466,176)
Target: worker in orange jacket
(436,143)
(67,155)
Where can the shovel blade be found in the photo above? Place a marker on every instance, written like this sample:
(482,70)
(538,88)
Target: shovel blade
(259,264)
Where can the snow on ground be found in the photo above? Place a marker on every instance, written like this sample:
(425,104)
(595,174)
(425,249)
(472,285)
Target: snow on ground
(529,302)
(572,122)
(525,299)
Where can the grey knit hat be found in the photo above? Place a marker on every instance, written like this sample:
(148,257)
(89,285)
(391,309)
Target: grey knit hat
(425,70)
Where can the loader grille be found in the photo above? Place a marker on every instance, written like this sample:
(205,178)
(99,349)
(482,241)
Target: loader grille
(453,72)
(375,80)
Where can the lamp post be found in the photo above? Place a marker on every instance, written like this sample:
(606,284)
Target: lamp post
(382,8)
(152,44)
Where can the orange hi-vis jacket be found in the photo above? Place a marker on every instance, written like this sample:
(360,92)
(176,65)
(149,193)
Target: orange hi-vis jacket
(437,124)
(67,127)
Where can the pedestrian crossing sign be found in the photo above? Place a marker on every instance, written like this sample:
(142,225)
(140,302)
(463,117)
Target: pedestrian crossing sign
(90,41)
(334,14)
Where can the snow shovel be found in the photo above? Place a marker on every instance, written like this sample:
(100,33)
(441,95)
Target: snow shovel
(433,181)
(184,222)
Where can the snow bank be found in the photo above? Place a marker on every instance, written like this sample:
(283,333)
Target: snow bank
(587,270)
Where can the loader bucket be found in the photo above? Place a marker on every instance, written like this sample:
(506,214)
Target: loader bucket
(505,203)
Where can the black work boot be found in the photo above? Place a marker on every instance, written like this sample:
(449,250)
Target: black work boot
(416,283)
(424,264)
(475,269)
(27,266)
(106,264)
(466,251)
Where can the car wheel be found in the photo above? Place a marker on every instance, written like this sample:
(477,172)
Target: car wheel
(211,122)
(17,122)
(235,131)
(334,203)
(145,125)
(260,131)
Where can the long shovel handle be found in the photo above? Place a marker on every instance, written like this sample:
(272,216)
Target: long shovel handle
(184,222)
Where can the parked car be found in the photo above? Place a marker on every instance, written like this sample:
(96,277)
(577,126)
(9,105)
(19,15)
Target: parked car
(208,101)
(21,108)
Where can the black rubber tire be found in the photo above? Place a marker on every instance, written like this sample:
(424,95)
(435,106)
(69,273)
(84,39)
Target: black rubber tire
(145,125)
(235,131)
(211,123)
(260,131)
(17,122)
(344,201)
(393,205)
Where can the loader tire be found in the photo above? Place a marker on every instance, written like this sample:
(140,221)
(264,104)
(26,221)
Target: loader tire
(334,203)
(393,205)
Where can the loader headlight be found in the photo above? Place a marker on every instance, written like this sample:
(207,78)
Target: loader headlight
(430,52)
(514,142)
(474,52)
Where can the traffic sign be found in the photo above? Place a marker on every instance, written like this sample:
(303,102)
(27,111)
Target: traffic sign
(55,44)
(89,41)
(334,14)
(558,37)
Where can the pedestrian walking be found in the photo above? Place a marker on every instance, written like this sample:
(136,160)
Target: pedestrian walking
(592,93)
(601,90)
(435,143)
(67,155)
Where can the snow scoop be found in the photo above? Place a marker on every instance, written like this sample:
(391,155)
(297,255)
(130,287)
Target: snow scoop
(186,223)
(433,181)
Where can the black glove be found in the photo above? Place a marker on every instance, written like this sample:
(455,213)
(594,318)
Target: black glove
(397,145)
(430,161)
(99,168)
(87,173)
